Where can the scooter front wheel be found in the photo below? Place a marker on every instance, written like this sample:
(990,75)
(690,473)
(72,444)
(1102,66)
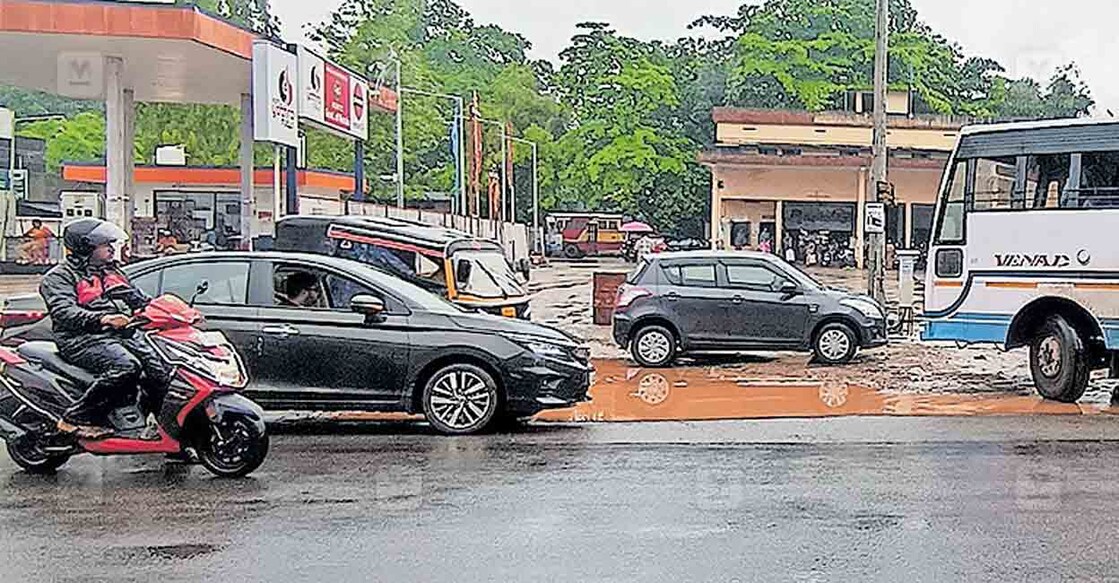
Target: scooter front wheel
(233,448)
(28,453)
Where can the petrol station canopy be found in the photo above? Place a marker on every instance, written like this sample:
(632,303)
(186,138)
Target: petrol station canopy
(172,54)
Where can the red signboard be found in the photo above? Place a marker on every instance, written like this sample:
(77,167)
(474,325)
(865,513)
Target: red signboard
(337,97)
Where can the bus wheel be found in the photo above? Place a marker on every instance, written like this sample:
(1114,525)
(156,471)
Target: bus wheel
(572,252)
(1059,361)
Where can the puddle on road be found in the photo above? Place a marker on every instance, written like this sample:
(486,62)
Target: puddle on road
(624,393)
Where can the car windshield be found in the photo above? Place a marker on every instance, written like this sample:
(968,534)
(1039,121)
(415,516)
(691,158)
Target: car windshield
(490,276)
(805,280)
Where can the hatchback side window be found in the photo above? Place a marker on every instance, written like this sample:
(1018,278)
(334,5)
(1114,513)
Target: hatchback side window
(755,277)
(227,282)
(699,275)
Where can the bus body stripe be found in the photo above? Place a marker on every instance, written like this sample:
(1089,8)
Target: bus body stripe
(1044,275)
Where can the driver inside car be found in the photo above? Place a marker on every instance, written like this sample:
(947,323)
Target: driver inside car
(81,295)
(302,289)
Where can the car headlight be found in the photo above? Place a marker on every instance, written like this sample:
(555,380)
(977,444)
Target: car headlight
(546,350)
(866,308)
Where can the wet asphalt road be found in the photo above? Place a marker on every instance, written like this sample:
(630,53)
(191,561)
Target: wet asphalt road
(915,499)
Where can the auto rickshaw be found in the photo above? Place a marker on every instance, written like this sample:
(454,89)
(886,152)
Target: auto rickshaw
(471,272)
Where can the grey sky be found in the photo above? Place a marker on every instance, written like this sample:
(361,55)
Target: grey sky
(1029,37)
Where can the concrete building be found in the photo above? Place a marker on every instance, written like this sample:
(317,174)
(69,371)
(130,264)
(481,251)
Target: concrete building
(801,180)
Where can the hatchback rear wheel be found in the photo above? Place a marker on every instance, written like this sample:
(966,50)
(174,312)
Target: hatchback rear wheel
(461,399)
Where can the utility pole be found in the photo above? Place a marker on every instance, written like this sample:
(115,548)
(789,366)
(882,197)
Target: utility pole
(538,241)
(399,136)
(460,130)
(535,191)
(878,171)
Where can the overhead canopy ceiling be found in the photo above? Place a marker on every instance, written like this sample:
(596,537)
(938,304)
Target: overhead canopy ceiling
(171,54)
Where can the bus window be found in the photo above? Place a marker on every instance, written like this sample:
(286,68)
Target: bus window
(1099,180)
(1046,177)
(951,228)
(994,183)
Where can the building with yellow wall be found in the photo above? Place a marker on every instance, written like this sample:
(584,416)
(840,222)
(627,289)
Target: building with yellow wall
(791,176)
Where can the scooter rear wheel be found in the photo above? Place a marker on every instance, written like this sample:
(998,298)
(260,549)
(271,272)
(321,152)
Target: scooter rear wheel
(27,452)
(233,449)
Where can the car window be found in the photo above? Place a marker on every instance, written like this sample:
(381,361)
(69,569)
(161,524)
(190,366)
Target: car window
(148,283)
(635,275)
(751,276)
(698,275)
(342,291)
(228,282)
(307,287)
(299,287)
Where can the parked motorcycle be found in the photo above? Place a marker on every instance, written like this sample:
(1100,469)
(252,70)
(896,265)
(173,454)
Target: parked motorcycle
(203,415)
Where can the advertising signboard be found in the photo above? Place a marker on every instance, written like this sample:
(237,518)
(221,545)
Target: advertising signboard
(274,107)
(332,97)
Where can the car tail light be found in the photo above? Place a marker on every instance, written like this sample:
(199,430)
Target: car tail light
(12,318)
(627,294)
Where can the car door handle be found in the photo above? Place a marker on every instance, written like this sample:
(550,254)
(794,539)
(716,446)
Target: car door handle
(738,300)
(284,331)
(672,296)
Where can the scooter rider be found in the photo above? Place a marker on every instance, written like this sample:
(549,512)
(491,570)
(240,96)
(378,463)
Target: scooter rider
(87,329)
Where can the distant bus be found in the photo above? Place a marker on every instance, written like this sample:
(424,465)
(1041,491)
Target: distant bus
(587,234)
(1025,248)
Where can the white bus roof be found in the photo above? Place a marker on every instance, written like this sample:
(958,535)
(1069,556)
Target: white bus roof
(976,129)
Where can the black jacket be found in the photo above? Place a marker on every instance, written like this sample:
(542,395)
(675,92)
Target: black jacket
(76,299)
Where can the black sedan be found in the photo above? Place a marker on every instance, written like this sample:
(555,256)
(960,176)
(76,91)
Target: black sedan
(715,301)
(322,333)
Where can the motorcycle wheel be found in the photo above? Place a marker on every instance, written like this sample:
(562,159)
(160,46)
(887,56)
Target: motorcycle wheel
(27,452)
(232,449)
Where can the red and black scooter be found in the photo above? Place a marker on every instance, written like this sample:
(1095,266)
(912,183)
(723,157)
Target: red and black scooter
(203,415)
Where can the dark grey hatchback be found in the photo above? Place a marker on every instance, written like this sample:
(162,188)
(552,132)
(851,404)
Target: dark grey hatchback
(715,301)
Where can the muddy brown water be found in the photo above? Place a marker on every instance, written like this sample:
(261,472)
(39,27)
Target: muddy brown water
(624,393)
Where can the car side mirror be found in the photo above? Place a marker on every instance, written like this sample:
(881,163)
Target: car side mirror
(199,291)
(462,271)
(790,288)
(371,307)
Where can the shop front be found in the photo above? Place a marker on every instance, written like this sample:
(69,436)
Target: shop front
(820,233)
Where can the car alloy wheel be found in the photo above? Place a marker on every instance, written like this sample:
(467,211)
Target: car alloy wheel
(834,344)
(461,399)
(654,346)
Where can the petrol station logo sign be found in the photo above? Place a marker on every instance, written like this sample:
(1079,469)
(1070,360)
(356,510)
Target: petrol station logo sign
(337,98)
(275,114)
(358,102)
(332,97)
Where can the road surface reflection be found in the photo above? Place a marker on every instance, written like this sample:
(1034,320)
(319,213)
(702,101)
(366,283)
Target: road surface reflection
(625,393)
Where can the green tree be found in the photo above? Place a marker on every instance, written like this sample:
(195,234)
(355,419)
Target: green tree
(628,148)
(80,138)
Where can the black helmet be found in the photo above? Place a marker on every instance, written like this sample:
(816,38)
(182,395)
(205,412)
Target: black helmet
(82,236)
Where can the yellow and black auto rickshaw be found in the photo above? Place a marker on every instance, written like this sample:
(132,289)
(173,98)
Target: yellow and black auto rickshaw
(473,273)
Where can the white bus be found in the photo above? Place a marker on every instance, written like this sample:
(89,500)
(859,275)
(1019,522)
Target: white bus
(1025,248)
